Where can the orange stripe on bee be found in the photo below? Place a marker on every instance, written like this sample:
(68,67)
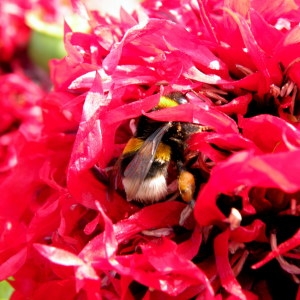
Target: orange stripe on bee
(133,145)
(163,151)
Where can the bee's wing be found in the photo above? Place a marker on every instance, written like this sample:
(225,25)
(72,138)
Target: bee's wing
(138,168)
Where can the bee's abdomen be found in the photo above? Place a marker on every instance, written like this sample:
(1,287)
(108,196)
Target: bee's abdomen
(151,189)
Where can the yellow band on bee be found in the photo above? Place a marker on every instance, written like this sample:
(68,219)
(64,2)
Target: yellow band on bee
(165,102)
(163,152)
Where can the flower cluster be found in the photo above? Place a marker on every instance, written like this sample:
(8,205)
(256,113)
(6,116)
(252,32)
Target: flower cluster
(66,234)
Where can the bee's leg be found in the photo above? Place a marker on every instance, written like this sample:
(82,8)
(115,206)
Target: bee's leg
(186,187)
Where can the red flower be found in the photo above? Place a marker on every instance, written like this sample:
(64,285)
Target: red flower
(21,116)
(14,33)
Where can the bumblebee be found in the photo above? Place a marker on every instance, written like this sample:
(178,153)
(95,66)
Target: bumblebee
(152,151)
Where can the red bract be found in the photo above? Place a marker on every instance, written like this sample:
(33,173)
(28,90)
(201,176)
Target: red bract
(68,231)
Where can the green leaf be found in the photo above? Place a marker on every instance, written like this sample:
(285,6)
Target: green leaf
(5,290)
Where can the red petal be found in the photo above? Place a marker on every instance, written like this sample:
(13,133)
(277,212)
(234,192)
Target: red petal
(277,128)
(198,114)
(178,272)
(90,133)
(161,268)
(225,272)
(238,105)
(246,234)
(159,32)
(103,247)
(264,33)
(206,201)
(13,264)
(272,10)
(269,170)
(189,248)
(55,289)
(229,143)
(45,220)
(158,215)
(258,56)
(207,22)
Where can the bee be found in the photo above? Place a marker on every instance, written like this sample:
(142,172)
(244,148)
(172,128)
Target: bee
(154,148)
